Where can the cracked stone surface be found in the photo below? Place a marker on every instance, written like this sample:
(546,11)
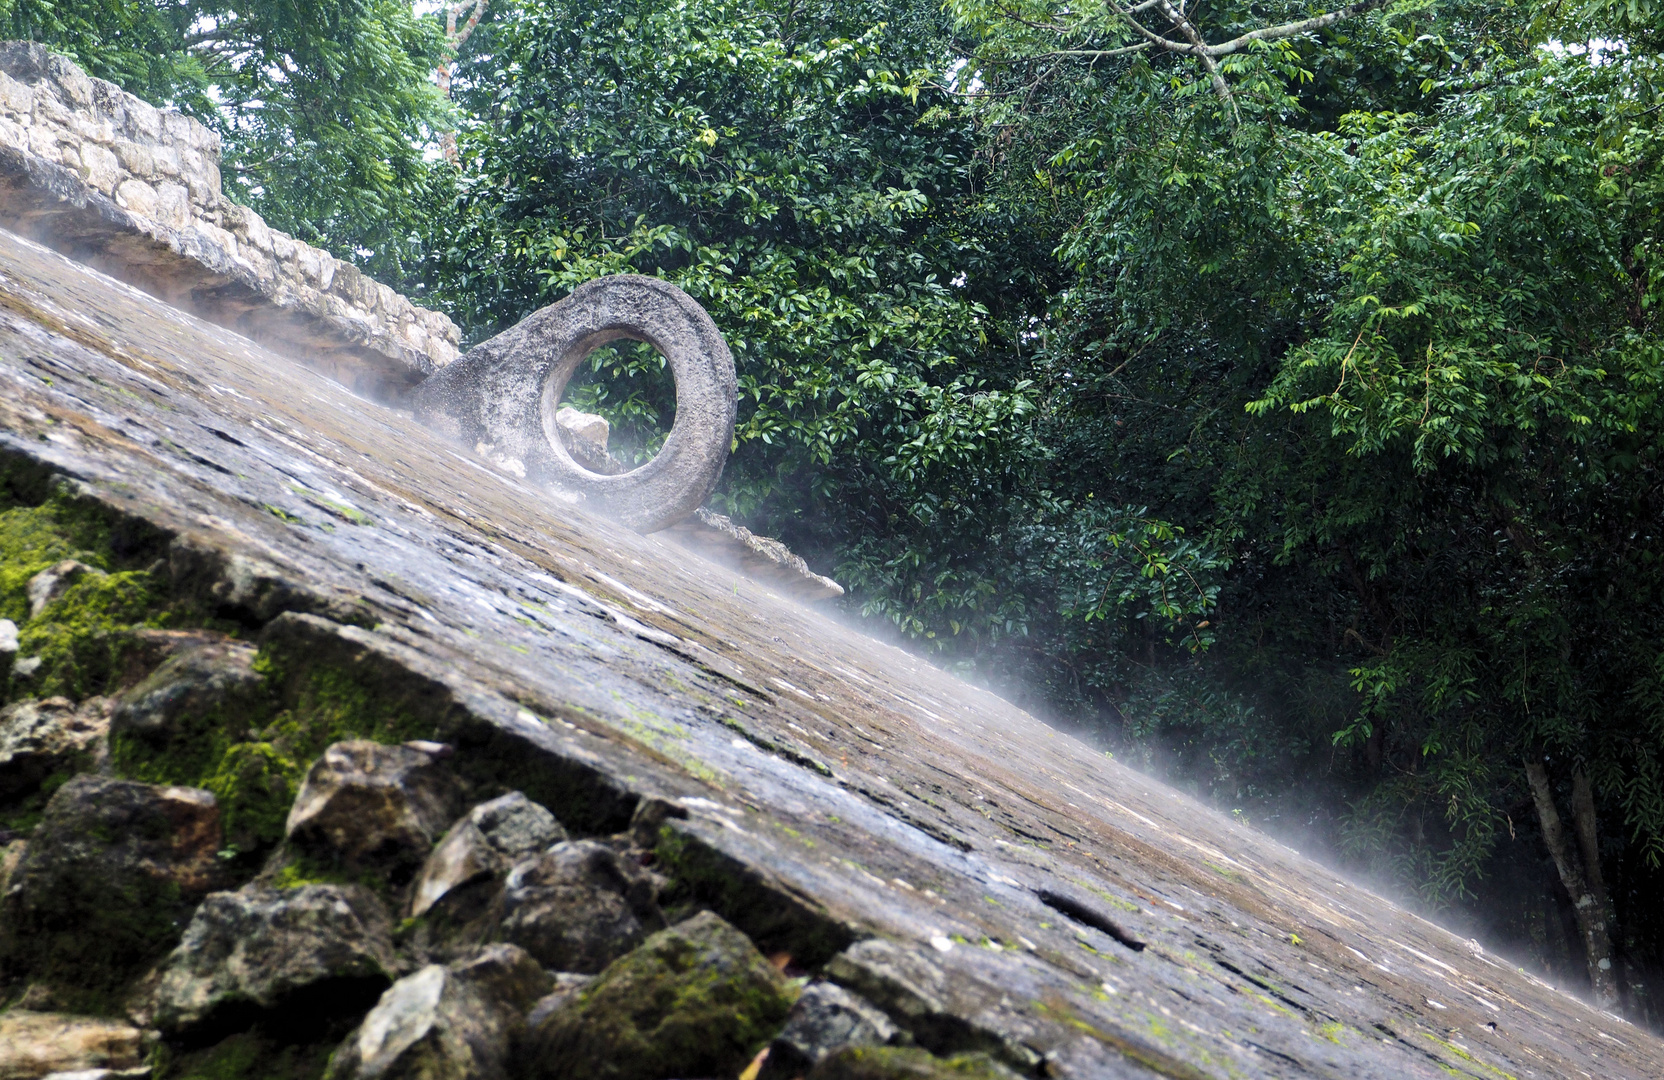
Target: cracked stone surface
(847,790)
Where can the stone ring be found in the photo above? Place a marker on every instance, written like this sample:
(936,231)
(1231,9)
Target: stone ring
(501,396)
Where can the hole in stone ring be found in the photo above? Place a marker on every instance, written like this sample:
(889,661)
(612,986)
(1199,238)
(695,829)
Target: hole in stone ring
(627,383)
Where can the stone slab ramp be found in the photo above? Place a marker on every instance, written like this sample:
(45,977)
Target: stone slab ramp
(1023,892)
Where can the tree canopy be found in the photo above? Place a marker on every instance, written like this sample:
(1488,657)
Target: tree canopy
(324,107)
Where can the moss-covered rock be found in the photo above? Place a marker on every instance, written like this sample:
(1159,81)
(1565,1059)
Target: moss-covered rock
(826,1019)
(697,999)
(246,724)
(894,1063)
(256,1054)
(181,718)
(93,587)
(304,956)
(35,537)
(108,879)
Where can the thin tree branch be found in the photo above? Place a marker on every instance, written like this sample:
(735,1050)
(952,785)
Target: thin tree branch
(1294,29)
(1098,54)
(1188,29)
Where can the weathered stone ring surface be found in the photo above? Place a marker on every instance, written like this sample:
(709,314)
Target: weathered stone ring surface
(501,397)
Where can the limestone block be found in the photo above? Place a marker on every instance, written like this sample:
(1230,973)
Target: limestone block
(578,906)
(284,247)
(259,264)
(210,181)
(589,429)
(352,286)
(438,325)
(15,97)
(176,128)
(492,838)
(137,196)
(72,83)
(8,647)
(165,160)
(49,110)
(173,205)
(204,139)
(213,235)
(249,226)
(144,120)
(825,1019)
(13,134)
(445,1023)
(201,176)
(368,806)
(308,262)
(100,168)
(136,157)
(43,141)
(92,128)
(110,101)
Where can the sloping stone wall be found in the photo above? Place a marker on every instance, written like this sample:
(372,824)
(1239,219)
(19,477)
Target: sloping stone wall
(135,191)
(915,844)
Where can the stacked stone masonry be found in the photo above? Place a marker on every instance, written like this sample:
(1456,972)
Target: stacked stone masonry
(135,191)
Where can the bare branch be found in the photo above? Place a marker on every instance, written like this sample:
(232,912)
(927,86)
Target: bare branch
(1294,29)
(1097,54)
(1188,29)
(459,36)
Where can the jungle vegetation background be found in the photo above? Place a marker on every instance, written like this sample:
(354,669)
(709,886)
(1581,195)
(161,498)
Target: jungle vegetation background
(1277,403)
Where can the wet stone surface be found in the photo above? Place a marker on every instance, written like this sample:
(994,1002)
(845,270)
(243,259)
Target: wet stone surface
(816,789)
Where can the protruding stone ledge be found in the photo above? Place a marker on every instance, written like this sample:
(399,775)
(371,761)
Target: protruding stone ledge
(134,191)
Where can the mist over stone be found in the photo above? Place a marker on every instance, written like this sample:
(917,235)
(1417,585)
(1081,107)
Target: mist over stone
(758,798)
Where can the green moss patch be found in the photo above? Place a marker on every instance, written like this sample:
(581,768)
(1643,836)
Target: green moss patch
(697,999)
(82,637)
(252,753)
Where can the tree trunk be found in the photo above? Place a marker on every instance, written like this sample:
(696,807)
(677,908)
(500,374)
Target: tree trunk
(442,74)
(1580,872)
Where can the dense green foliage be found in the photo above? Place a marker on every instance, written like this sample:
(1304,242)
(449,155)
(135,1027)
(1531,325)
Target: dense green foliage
(1298,439)
(1292,425)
